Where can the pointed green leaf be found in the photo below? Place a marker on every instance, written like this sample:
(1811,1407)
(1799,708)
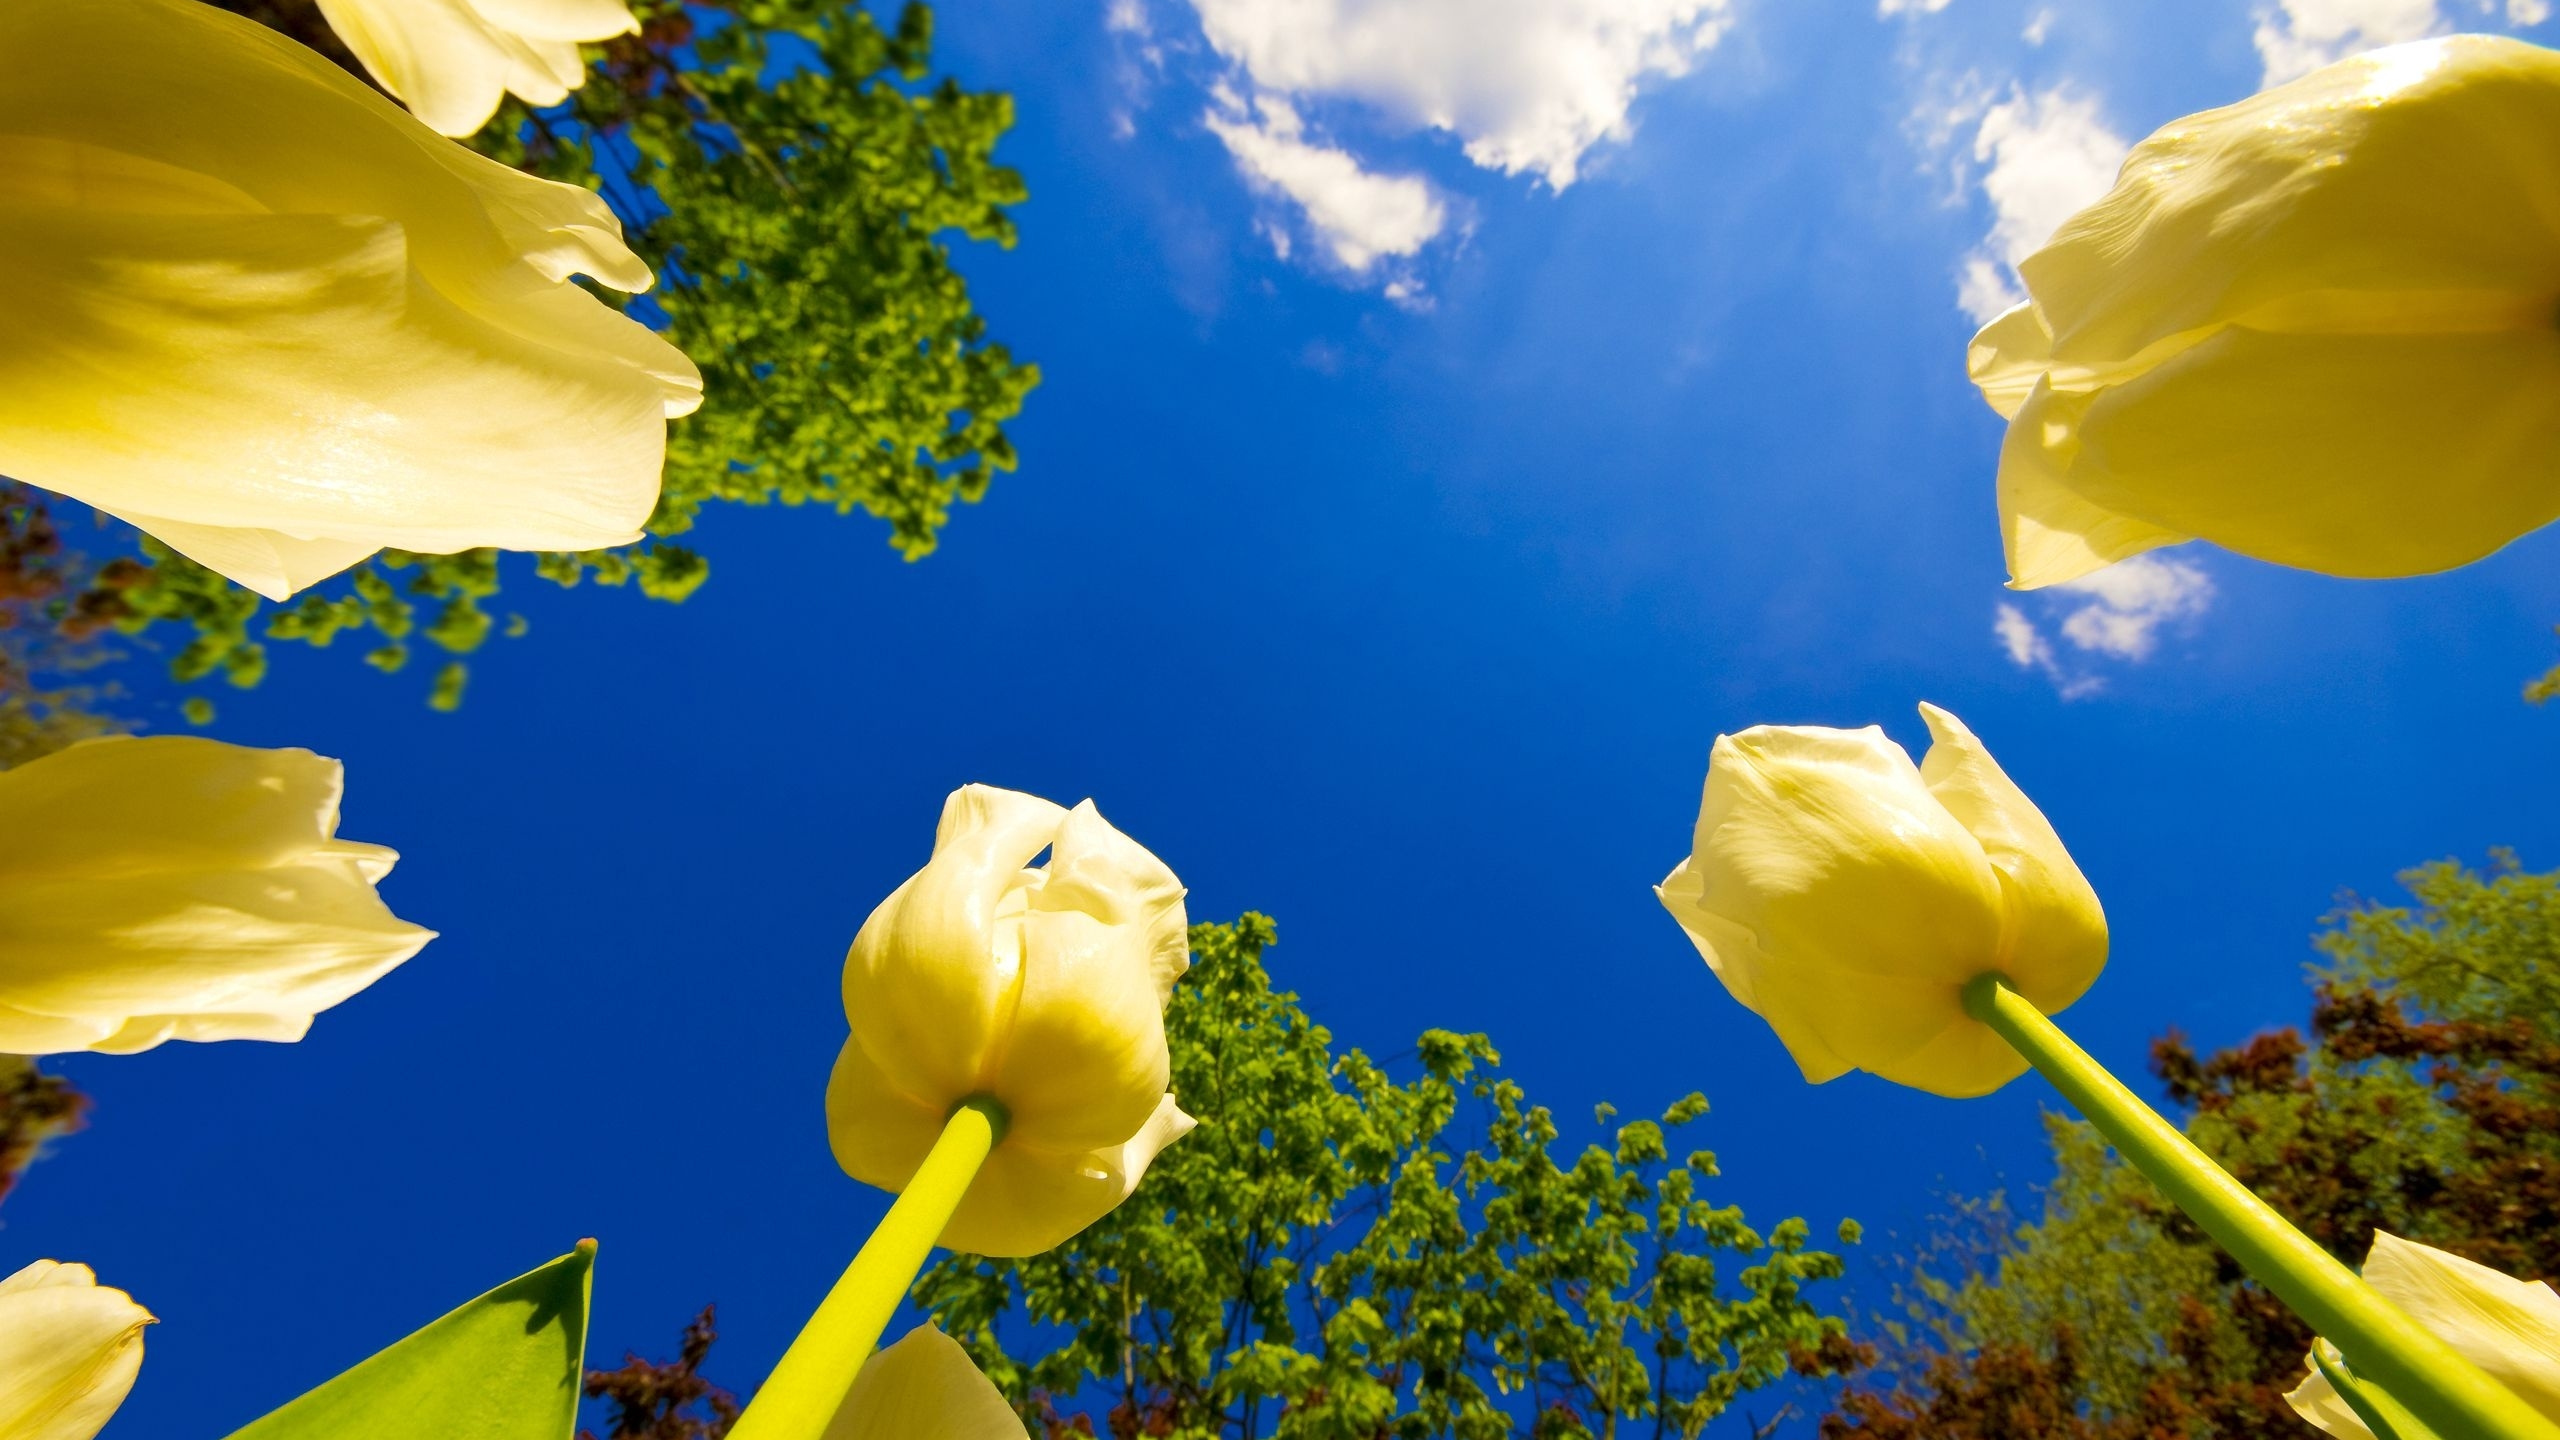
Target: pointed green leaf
(506,1366)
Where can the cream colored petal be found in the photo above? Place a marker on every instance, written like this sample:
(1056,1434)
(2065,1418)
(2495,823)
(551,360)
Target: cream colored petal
(144,374)
(1735,957)
(879,1135)
(1095,869)
(2363,456)
(560,19)
(446,59)
(2053,938)
(238,954)
(932,978)
(2506,1326)
(2051,532)
(2008,356)
(1084,1062)
(271,563)
(925,1387)
(69,1351)
(26,1033)
(2429,168)
(2319,1402)
(382,342)
(124,806)
(1836,896)
(1026,1201)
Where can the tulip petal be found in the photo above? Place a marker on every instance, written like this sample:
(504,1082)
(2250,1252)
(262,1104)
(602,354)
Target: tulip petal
(879,1134)
(925,1387)
(248,293)
(2431,167)
(179,888)
(2359,455)
(2009,355)
(167,339)
(1028,1200)
(1096,869)
(1102,941)
(124,806)
(560,19)
(2051,532)
(1794,817)
(69,1351)
(933,976)
(452,61)
(2506,1326)
(2053,940)
(1733,953)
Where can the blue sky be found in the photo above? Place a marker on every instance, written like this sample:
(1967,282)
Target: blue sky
(1394,535)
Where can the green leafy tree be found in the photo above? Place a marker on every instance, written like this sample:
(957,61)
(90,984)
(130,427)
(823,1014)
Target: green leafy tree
(1338,1253)
(795,177)
(2425,1101)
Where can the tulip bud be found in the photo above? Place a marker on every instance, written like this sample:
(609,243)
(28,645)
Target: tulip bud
(451,60)
(2315,327)
(1043,989)
(69,1349)
(262,313)
(925,1387)
(1846,896)
(2508,1327)
(175,888)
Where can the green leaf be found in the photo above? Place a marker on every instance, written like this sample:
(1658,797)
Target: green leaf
(506,1366)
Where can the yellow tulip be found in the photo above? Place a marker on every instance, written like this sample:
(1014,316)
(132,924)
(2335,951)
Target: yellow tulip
(1043,989)
(925,1387)
(69,1349)
(2316,327)
(2508,1327)
(451,60)
(175,888)
(262,313)
(1846,896)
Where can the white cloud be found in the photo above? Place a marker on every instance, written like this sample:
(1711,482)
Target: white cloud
(2296,37)
(1529,86)
(1910,7)
(2528,12)
(2043,155)
(2039,26)
(1360,216)
(2115,614)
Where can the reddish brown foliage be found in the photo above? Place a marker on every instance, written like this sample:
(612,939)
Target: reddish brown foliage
(668,1400)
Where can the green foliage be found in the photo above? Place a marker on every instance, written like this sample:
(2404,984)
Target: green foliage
(2427,1103)
(799,228)
(507,1366)
(1333,1254)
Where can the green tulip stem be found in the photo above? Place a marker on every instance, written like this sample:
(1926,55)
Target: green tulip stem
(2387,1349)
(2381,1414)
(808,1387)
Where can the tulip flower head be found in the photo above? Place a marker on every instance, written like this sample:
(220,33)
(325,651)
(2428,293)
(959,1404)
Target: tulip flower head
(925,1387)
(451,61)
(1041,989)
(2508,1327)
(262,313)
(1846,896)
(175,888)
(69,1349)
(2316,327)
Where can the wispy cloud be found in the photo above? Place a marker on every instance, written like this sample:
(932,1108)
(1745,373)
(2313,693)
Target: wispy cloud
(2296,37)
(2117,614)
(1910,7)
(1357,216)
(2042,156)
(1528,88)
